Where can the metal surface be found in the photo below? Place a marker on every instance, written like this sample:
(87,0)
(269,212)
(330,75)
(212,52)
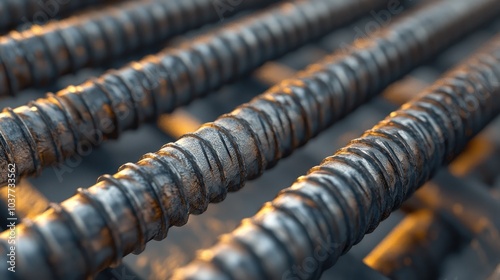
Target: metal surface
(163,188)
(306,228)
(434,229)
(42,54)
(14,13)
(51,129)
(463,211)
(415,248)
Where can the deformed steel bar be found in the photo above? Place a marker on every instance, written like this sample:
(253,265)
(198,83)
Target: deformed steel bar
(14,13)
(461,202)
(51,129)
(416,247)
(309,225)
(121,213)
(42,54)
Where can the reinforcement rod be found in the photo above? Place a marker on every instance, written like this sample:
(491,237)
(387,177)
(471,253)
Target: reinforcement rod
(18,12)
(118,215)
(323,214)
(416,247)
(43,53)
(51,129)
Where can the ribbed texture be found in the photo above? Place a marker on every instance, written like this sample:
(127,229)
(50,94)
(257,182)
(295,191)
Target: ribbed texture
(122,212)
(309,225)
(51,129)
(15,12)
(41,54)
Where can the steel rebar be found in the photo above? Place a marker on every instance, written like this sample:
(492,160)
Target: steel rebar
(14,13)
(119,214)
(306,228)
(428,235)
(42,54)
(51,129)
(415,248)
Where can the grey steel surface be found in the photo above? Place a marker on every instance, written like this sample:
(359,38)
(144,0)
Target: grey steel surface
(158,260)
(309,225)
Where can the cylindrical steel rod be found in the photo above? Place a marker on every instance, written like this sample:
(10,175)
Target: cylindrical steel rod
(416,248)
(14,13)
(119,214)
(51,129)
(323,214)
(41,54)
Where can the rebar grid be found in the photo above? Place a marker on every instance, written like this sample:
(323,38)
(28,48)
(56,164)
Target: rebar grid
(42,54)
(306,228)
(51,129)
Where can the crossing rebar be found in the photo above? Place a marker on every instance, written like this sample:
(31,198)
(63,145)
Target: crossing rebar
(51,129)
(323,214)
(119,214)
(415,248)
(41,54)
(14,13)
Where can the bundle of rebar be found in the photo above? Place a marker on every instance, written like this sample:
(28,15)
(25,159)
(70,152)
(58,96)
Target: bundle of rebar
(323,214)
(51,129)
(119,214)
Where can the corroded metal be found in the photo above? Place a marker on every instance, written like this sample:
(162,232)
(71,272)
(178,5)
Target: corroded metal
(436,226)
(41,54)
(308,226)
(119,214)
(51,129)
(14,13)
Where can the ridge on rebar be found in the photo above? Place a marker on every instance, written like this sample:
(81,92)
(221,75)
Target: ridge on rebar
(14,13)
(351,192)
(142,201)
(41,54)
(49,130)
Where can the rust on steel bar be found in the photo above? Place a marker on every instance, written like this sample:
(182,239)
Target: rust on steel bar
(14,13)
(41,54)
(51,129)
(121,213)
(417,247)
(309,225)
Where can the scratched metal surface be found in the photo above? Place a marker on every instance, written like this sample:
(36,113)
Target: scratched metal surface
(477,169)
